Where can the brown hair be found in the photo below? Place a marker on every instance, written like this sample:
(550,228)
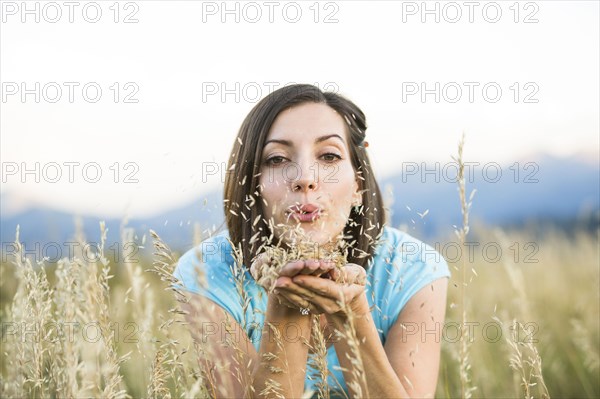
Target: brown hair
(242,201)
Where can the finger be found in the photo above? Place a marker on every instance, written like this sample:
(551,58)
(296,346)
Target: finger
(328,288)
(265,258)
(333,274)
(266,283)
(310,267)
(296,300)
(341,304)
(292,268)
(353,277)
(315,267)
(285,284)
(285,301)
(321,286)
(324,304)
(354,274)
(350,292)
(255,270)
(324,267)
(260,265)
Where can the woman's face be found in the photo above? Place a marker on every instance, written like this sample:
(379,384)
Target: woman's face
(306,164)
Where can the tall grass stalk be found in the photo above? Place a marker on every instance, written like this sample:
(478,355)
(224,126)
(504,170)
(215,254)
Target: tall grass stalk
(99,291)
(526,362)
(67,363)
(141,300)
(464,361)
(319,358)
(243,363)
(30,311)
(358,383)
(276,363)
(163,266)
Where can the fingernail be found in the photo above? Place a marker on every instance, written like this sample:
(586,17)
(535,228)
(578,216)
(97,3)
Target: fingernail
(298,280)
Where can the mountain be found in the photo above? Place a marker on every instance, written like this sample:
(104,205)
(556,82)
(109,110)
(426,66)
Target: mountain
(546,189)
(543,188)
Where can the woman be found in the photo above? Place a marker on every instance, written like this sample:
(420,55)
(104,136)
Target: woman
(300,159)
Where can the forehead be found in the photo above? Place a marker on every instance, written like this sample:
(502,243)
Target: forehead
(307,122)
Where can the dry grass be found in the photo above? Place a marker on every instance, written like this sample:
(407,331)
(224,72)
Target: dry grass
(555,301)
(272,257)
(462,355)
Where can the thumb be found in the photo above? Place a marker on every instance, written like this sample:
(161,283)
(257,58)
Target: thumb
(355,274)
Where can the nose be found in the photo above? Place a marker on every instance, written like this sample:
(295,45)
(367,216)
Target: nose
(306,179)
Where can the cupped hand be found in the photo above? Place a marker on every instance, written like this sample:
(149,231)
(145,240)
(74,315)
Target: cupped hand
(264,274)
(314,267)
(325,295)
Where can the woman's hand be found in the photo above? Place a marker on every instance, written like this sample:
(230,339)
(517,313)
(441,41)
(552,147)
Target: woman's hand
(265,276)
(315,268)
(323,295)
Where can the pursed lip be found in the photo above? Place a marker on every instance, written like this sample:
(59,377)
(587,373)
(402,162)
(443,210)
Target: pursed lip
(304,212)
(303,208)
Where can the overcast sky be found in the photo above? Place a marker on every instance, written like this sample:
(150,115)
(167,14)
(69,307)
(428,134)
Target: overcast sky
(518,79)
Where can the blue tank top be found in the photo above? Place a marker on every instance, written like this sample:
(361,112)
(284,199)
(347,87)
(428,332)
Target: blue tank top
(401,266)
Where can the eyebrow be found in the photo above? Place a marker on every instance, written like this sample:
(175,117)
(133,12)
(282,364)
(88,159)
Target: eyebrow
(317,141)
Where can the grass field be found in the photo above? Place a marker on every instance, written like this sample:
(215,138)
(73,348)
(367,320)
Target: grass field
(111,331)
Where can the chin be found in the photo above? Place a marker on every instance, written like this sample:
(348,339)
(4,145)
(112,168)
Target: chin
(315,232)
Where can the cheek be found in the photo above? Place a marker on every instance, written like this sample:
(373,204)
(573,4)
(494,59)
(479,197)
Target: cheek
(274,193)
(341,186)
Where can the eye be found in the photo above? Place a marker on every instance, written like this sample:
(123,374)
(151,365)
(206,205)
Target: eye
(278,159)
(331,157)
(272,160)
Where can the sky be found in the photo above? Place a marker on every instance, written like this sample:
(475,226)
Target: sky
(128,108)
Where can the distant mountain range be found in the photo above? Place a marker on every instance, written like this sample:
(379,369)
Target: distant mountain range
(426,200)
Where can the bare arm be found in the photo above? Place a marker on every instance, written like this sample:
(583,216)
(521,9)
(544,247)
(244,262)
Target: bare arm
(232,365)
(223,367)
(415,356)
(283,352)
(407,366)
(380,379)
